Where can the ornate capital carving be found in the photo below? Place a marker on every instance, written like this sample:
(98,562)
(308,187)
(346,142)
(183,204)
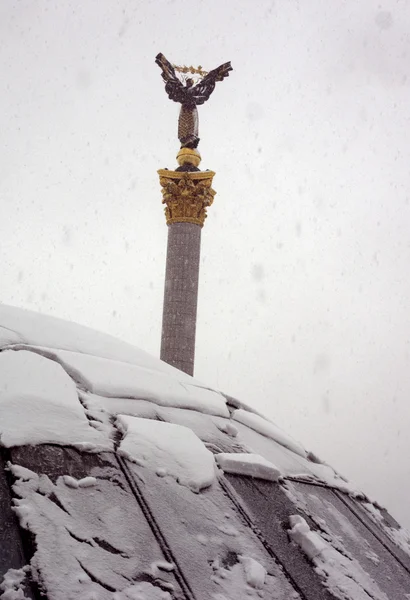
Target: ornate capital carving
(186,195)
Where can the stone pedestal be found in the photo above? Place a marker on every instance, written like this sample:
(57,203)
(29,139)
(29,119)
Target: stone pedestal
(186,194)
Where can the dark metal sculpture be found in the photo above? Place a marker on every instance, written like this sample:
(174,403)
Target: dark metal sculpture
(190,95)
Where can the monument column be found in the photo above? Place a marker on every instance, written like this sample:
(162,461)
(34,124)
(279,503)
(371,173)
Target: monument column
(187,193)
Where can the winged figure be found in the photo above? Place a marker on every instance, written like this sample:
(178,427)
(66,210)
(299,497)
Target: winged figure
(189,96)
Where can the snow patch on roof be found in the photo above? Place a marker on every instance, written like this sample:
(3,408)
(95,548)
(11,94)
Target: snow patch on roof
(22,473)
(87,540)
(311,542)
(248,578)
(39,404)
(228,428)
(43,330)
(252,465)
(12,586)
(167,449)
(268,429)
(8,337)
(342,575)
(79,483)
(142,591)
(102,407)
(399,536)
(255,573)
(326,474)
(122,380)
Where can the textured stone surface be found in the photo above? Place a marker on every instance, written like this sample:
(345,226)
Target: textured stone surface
(181,296)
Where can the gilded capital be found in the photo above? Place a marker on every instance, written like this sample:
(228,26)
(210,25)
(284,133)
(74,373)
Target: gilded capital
(186,195)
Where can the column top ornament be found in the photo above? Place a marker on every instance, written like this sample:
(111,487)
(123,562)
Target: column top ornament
(186,195)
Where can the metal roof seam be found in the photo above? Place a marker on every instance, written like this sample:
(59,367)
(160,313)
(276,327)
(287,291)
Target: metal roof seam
(168,554)
(233,496)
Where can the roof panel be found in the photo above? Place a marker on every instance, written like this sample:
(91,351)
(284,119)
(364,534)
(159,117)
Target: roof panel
(210,429)
(90,534)
(350,537)
(387,530)
(269,508)
(209,539)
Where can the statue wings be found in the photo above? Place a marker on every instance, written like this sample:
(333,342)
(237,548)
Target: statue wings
(206,86)
(197,94)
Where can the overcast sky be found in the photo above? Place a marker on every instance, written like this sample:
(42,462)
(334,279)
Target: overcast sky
(304,285)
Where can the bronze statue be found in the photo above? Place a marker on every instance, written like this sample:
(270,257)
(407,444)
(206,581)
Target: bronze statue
(190,95)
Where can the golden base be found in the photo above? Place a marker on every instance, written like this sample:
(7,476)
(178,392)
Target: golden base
(188,155)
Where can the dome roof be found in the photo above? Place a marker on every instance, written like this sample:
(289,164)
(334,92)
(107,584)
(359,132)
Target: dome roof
(124,478)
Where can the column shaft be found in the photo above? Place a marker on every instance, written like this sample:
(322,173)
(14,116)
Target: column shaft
(181,296)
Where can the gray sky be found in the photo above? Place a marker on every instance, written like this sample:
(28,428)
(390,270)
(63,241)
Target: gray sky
(304,285)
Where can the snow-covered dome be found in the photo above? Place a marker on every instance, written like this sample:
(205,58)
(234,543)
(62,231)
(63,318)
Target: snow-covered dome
(124,478)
